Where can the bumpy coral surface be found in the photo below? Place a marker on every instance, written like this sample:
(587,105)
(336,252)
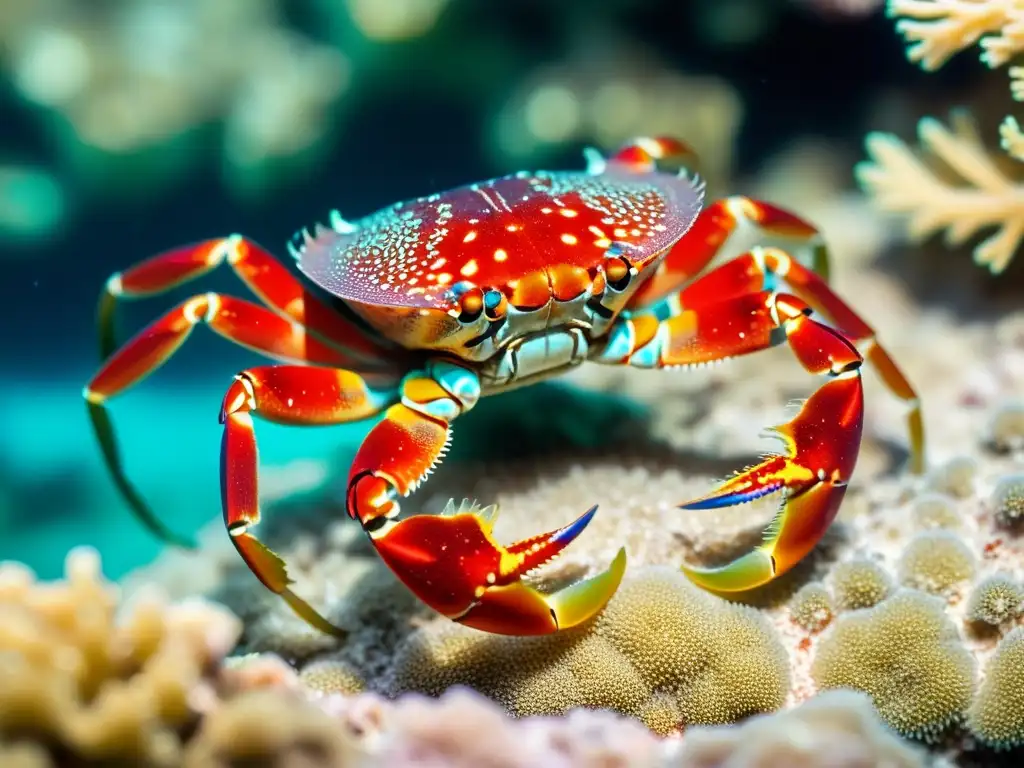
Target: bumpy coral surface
(700,660)
(936,562)
(906,653)
(812,607)
(997,715)
(860,583)
(1008,501)
(996,600)
(81,684)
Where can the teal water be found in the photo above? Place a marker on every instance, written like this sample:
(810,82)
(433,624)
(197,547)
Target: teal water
(61,497)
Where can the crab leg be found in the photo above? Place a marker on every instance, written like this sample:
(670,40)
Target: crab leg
(237,320)
(283,394)
(724,230)
(821,441)
(763,268)
(452,561)
(647,154)
(266,277)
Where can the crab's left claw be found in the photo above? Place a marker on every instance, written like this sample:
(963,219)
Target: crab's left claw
(454,565)
(822,444)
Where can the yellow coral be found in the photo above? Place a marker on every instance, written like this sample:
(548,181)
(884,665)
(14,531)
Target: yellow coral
(332,676)
(906,654)
(902,183)
(938,29)
(24,756)
(899,182)
(1008,500)
(724,660)
(860,583)
(935,510)
(996,599)
(96,687)
(997,715)
(811,607)
(936,562)
(662,651)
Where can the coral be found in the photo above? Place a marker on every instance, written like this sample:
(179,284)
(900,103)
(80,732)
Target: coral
(955,477)
(1007,500)
(462,729)
(938,29)
(24,756)
(936,510)
(711,661)
(906,654)
(839,729)
(811,607)
(257,670)
(936,562)
(900,182)
(330,676)
(1006,426)
(997,715)
(268,728)
(85,682)
(860,583)
(724,659)
(995,600)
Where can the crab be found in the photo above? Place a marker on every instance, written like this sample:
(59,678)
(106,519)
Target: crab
(424,307)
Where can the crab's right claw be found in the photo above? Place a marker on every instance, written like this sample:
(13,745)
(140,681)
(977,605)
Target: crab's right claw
(454,565)
(519,609)
(822,442)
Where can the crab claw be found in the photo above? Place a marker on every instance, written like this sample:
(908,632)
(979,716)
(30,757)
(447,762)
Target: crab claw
(454,565)
(822,442)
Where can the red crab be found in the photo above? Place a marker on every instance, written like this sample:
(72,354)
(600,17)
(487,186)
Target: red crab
(495,285)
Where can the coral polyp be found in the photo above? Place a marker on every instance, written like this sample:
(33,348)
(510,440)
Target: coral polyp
(860,583)
(996,600)
(1007,501)
(701,660)
(906,654)
(936,562)
(812,607)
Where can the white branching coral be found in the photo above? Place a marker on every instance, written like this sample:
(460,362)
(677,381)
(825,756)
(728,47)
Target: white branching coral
(981,196)
(939,29)
(901,182)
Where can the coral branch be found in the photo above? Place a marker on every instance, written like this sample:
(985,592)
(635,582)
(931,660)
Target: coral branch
(999,49)
(1011,138)
(938,29)
(902,183)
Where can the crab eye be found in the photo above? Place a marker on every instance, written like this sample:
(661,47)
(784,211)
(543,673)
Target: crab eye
(470,302)
(495,304)
(617,272)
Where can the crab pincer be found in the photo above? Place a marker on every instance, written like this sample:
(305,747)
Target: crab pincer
(812,475)
(452,561)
